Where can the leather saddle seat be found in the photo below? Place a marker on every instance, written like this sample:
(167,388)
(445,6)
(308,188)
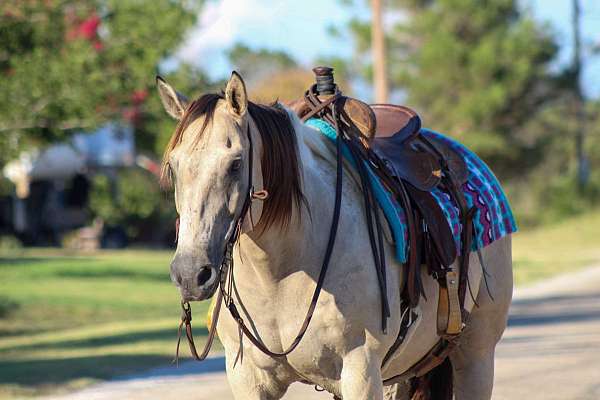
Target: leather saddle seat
(398,141)
(396,121)
(392,131)
(396,128)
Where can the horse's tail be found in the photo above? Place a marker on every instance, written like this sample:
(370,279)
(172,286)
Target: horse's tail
(434,385)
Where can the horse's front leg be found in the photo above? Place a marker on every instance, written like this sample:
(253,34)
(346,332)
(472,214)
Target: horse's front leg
(361,376)
(251,382)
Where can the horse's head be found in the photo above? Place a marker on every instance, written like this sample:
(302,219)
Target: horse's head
(207,163)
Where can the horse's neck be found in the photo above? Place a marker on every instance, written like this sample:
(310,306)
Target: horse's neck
(277,253)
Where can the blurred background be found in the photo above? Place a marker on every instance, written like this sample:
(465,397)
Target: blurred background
(85,231)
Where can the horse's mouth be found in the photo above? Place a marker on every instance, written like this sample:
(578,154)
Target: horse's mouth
(199,293)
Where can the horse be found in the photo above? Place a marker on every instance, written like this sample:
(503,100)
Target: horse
(279,254)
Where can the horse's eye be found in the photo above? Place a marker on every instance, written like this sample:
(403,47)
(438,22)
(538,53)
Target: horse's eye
(235,165)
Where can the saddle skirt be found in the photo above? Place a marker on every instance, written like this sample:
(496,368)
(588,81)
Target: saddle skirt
(493,217)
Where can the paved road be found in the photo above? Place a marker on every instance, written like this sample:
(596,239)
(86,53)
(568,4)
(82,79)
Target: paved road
(551,350)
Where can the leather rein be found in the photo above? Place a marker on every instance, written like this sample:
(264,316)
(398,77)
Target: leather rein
(226,277)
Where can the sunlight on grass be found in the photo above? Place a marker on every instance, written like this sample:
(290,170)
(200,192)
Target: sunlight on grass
(555,249)
(69,320)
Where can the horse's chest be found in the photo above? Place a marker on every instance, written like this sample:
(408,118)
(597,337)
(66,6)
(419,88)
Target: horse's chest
(329,337)
(321,350)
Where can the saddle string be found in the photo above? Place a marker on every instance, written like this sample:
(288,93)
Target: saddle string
(485,274)
(414,288)
(475,303)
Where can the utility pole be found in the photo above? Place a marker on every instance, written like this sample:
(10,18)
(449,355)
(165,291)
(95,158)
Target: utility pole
(579,106)
(380,83)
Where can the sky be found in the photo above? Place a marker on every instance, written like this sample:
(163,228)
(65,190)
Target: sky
(301,29)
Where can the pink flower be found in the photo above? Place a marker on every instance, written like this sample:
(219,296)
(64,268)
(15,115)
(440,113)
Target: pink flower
(138,96)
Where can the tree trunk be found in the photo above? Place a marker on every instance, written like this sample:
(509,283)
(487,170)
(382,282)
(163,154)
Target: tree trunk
(380,83)
(579,106)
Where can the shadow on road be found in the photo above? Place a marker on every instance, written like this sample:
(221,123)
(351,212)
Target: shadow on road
(555,310)
(213,364)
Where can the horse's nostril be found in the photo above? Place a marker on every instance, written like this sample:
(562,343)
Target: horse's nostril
(204,275)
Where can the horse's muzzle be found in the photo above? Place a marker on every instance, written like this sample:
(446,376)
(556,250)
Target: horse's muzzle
(196,285)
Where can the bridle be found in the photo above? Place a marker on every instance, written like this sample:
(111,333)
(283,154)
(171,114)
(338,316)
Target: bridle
(225,292)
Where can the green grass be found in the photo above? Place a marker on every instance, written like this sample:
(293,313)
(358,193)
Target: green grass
(559,248)
(67,320)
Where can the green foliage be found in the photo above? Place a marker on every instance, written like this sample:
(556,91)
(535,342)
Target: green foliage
(256,64)
(73,65)
(476,70)
(479,71)
(68,66)
(491,66)
(548,190)
(154,126)
(6,187)
(564,197)
(133,200)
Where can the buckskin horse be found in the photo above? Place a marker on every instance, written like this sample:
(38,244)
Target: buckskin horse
(258,188)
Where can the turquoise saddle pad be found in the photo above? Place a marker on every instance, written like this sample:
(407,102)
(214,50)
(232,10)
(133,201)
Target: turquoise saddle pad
(493,218)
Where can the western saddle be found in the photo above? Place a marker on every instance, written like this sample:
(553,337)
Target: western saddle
(410,165)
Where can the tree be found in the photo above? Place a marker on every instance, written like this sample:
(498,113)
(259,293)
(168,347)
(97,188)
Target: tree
(275,75)
(68,66)
(270,74)
(579,103)
(379,55)
(284,85)
(477,70)
(257,64)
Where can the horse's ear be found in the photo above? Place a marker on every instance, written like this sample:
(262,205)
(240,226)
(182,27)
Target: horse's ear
(235,95)
(174,102)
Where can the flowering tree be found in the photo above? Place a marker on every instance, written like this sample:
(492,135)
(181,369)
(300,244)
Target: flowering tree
(67,66)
